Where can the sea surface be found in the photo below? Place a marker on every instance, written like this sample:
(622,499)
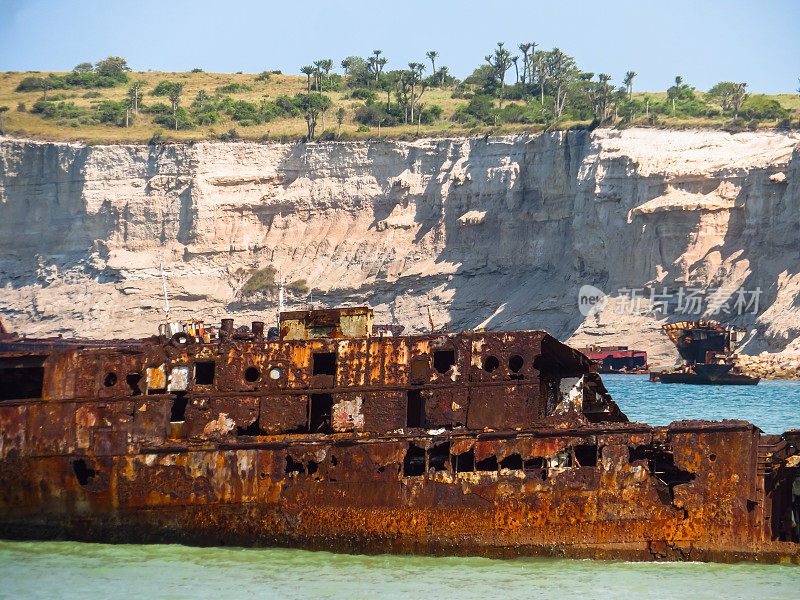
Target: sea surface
(70,570)
(774,406)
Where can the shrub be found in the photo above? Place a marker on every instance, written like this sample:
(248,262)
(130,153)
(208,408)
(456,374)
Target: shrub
(164,88)
(208,117)
(230,136)
(361,128)
(73,79)
(113,67)
(300,286)
(288,105)
(89,80)
(242,110)
(758,106)
(197,70)
(157,108)
(431,114)
(376,114)
(364,94)
(260,280)
(109,111)
(60,110)
(92,95)
(30,84)
(168,119)
(233,88)
(264,76)
(21,107)
(481,106)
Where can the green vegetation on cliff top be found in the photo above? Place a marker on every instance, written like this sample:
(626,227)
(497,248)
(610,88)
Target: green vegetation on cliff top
(108,103)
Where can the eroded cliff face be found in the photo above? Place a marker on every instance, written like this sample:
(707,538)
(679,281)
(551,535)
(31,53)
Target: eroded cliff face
(498,232)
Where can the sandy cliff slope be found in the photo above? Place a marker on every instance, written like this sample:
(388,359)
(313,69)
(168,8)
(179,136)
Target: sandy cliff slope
(493,232)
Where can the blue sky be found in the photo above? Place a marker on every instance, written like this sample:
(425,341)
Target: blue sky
(704,41)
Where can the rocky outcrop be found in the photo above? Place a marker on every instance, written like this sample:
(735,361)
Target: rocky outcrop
(487,232)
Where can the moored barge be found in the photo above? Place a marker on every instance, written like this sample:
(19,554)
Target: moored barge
(329,437)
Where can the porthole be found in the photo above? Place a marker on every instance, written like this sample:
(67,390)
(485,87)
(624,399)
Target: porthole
(490,364)
(515,363)
(275,373)
(251,374)
(110,380)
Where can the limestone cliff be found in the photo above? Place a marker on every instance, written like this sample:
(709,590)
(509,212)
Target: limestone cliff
(493,232)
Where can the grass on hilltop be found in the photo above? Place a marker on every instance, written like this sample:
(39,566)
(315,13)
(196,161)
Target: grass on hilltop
(20,122)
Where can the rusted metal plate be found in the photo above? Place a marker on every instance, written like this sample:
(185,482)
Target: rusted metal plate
(480,443)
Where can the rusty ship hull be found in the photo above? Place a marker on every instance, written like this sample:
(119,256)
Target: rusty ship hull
(492,444)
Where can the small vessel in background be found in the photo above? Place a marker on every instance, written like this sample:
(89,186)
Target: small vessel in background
(617,359)
(706,349)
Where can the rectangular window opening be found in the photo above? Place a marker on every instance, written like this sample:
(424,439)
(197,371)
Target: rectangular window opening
(443,360)
(415,410)
(586,455)
(414,462)
(20,383)
(512,461)
(464,462)
(320,413)
(487,464)
(133,379)
(178,411)
(438,457)
(204,372)
(324,363)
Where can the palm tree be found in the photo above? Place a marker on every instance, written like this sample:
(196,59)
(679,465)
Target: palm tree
(415,78)
(443,73)
(135,95)
(318,75)
(500,61)
(174,96)
(308,71)
(628,81)
(604,89)
(346,65)
(514,59)
(676,88)
(525,48)
(377,62)
(432,55)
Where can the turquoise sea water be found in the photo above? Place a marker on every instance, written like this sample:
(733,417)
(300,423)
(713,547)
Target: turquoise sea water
(70,570)
(772,405)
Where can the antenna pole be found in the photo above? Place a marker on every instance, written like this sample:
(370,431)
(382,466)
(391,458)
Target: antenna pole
(164,284)
(281,306)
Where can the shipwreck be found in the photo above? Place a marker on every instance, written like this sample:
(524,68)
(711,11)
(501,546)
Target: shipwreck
(328,434)
(707,354)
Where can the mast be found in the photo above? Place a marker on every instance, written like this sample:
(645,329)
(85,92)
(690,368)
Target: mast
(164,284)
(281,306)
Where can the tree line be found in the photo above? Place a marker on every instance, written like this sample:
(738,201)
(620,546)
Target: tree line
(534,86)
